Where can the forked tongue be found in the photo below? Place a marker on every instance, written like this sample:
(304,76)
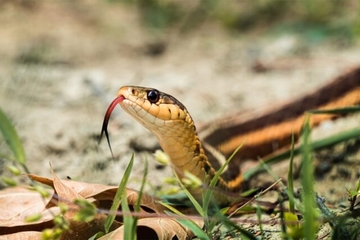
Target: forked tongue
(110,109)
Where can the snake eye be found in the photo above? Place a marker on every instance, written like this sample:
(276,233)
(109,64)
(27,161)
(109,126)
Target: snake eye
(153,96)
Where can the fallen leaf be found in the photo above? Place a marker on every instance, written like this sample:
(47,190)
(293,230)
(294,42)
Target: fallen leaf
(102,192)
(163,228)
(22,202)
(30,235)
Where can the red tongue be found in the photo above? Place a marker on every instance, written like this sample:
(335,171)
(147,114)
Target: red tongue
(111,107)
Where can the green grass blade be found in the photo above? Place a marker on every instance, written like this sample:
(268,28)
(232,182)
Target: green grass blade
(199,233)
(171,208)
(197,206)
(117,199)
(218,173)
(207,196)
(290,187)
(345,110)
(208,193)
(186,222)
(245,234)
(12,138)
(138,201)
(143,183)
(307,182)
(317,145)
(258,216)
(129,230)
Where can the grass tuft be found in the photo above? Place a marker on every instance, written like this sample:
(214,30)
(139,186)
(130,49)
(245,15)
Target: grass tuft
(13,140)
(118,196)
(307,182)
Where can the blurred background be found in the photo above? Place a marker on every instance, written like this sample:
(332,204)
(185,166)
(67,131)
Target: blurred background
(62,62)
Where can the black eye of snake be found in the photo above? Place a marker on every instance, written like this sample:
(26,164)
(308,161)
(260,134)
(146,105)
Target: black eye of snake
(153,96)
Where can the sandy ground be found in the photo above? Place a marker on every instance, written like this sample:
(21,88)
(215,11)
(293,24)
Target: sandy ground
(57,102)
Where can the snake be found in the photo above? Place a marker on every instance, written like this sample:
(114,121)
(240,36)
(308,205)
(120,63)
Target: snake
(169,120)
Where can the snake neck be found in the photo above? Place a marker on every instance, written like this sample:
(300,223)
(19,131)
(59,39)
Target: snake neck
(183,146)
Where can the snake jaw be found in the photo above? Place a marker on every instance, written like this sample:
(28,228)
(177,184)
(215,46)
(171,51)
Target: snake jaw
(108,112)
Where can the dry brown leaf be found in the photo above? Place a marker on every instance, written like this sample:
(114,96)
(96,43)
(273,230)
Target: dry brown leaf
(23,202)
(165,228)
(104,192)
(85,230)
(86,190)
(66,193)
(43,180)
(148,203)
(155,228)
(30,235)
(20,203)
(77,230)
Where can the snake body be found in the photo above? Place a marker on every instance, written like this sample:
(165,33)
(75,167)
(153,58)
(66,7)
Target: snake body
(272,130)
(168,119)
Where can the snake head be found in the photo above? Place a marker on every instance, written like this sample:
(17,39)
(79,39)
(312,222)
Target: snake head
(150,106)
(155,110)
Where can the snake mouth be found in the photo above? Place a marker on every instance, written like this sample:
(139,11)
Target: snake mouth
(108,112)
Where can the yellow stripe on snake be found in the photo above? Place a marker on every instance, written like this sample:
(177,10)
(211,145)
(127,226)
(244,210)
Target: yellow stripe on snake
(171,123)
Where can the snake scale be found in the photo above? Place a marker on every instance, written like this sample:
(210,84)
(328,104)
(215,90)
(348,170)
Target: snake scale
(168,119)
